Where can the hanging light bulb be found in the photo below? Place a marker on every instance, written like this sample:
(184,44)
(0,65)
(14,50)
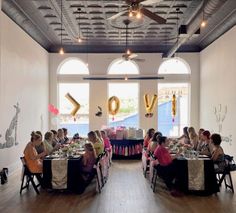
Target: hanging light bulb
(61,51)
(139,15)
(203,23)
(128,52)
(130,13)
(79,40)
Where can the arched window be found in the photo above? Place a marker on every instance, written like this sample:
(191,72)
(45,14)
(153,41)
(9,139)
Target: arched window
(79,91)
(120,66)
(73,66)
(174,66)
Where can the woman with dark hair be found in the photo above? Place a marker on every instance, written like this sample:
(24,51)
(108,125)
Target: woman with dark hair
(184,139)
(205,148)
(217,154)
(148,137)
(54,139)
(154,142)
(166,168)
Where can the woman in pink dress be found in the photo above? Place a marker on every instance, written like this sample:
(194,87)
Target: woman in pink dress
(166,168)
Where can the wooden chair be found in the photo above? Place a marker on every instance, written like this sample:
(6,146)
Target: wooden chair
(27,178)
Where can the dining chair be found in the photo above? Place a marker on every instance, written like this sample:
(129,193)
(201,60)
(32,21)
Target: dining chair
(27,178)
(225,175)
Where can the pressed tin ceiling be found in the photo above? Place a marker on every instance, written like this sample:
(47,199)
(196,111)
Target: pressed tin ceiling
(41,19)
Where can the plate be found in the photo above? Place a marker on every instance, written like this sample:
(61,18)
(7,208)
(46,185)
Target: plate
(203,156)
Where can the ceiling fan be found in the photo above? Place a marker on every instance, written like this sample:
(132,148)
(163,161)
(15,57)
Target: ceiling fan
(136,8)
(128,55)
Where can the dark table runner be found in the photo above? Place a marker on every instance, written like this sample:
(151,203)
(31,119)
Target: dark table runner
(75,182)
(210,186)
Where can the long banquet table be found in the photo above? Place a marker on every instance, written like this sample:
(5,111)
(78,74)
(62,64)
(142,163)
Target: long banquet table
(63,173)
(197,176)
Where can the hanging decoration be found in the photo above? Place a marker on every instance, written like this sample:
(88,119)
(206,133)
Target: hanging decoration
(173,107)
(53,109)
(99,113)
(149,106)
(75,104)
(113,106)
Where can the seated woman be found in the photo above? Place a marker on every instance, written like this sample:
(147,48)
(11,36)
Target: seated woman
(60,136)
(107,143)
(200,138)
(40,148)
(166,168)
(154,142)
(32,158)
(184,139)
(54,139)
(88,161)
(48,140)
(217,154)
(193,138)
(148,137)
(98,146)
(205,148)
(99,136)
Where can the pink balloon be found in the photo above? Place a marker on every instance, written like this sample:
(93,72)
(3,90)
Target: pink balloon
(55,111)
(50,108)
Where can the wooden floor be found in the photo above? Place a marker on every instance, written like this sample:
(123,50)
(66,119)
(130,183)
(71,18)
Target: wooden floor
(126,191)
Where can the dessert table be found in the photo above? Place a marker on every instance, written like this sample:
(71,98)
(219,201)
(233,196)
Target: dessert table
(127,148)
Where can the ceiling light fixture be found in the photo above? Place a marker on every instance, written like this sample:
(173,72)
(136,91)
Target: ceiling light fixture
(138,15)
(203,23)
(61,51)
(79,37)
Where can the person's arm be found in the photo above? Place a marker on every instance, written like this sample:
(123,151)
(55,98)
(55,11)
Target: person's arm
(33,154)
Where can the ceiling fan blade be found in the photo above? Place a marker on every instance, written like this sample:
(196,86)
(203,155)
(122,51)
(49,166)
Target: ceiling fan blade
(138,59)
(153,16)
(123,78)
(150,2)
(146,78)
(118,14)
(132,56)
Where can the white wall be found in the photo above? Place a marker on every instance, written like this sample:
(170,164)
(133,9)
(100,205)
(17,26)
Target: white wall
(98,65)
(24,79)
(218,74)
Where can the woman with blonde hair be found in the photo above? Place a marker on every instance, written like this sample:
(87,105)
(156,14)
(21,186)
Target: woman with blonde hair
(193,138)
(32,158)
(99,135)
(98,146)
(48,143)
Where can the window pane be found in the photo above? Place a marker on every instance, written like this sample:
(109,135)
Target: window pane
(121,66)
(128,113)
(80,92)
(74,66)
(174,66)
(165,123)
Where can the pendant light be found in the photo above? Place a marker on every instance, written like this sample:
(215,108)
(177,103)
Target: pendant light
(61,51)
(79,37)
